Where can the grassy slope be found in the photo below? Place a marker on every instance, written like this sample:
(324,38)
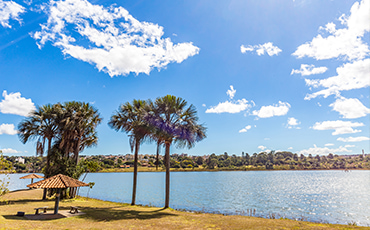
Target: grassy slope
(110,215)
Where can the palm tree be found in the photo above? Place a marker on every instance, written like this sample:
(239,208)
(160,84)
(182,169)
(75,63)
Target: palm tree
(173,122)
(130,119)
(41,124)
(78,127)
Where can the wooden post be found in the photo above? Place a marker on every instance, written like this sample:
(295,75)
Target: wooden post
(57,201)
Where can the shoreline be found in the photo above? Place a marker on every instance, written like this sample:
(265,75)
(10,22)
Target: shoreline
(144,169)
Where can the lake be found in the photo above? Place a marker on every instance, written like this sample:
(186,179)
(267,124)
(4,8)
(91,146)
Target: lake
(322,196)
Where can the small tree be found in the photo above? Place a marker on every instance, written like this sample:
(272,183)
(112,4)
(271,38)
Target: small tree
(6,166)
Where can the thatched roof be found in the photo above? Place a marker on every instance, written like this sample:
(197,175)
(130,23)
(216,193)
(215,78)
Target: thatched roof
(58,181)
(31,176)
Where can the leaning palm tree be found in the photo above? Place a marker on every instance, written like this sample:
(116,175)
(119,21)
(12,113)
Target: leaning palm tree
(130,119)
(41,125)
(174,122)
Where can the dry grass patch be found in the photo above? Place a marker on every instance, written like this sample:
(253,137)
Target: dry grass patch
(110,215)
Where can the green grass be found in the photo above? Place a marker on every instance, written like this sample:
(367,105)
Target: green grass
(111,215)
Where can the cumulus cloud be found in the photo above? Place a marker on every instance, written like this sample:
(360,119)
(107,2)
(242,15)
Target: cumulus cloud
(9,150)
(262,147)
(9,10)
(8,129)
(231,92)
(231,106)
(350,108)
(307,70)
(290,148)
(324,151)
(272,110)
(339,127)
(346,42)
(244,130)
(353,139)
(329,144)
(109,38)
(350,76)
(293,123)
(268,48)
(13,103)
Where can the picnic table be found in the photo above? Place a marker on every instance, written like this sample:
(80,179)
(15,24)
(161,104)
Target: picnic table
(74,209)
(40,208)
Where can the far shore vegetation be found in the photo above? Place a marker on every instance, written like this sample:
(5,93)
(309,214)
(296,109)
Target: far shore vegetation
(222,162)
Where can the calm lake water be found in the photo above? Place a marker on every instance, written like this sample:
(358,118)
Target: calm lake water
(323,196)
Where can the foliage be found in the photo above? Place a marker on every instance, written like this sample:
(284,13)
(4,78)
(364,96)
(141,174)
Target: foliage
(4,166)
(68,127)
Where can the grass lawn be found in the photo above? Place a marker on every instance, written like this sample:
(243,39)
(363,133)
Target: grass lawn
(110,215)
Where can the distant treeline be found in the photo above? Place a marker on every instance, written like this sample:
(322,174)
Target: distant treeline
(258,161)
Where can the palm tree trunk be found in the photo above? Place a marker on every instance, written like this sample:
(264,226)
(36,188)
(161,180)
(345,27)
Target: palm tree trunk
(137,145)
(167,161)
(47,166)
(157,160)
(77,150)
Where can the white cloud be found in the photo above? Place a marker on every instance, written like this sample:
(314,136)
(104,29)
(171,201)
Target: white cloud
(350,76)
(340,127)
(272,110)
(111,38)
(10,10)
(292,123)
(268,48)
(307,70)
(9,150)
(262,147)
(346,42)
(231,92)
(324,151)
(329,144)
(230,107)
(8,129)
(350,108)
(13,103)
(248,127)
(290,148)
(353,139)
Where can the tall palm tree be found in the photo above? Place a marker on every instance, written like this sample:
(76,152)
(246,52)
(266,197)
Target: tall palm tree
(41,124)
(174,122)
(78,127)
(130,119)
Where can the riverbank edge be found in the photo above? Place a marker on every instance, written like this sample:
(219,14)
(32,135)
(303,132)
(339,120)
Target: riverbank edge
(145,169)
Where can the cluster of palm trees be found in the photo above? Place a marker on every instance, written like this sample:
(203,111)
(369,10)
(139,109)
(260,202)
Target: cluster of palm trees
(70,127)
(166,121)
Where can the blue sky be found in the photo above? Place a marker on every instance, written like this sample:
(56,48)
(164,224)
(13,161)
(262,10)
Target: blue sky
(263,75)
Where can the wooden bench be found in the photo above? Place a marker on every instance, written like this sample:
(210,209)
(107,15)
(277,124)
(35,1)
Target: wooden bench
(42,208)
(74,209)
